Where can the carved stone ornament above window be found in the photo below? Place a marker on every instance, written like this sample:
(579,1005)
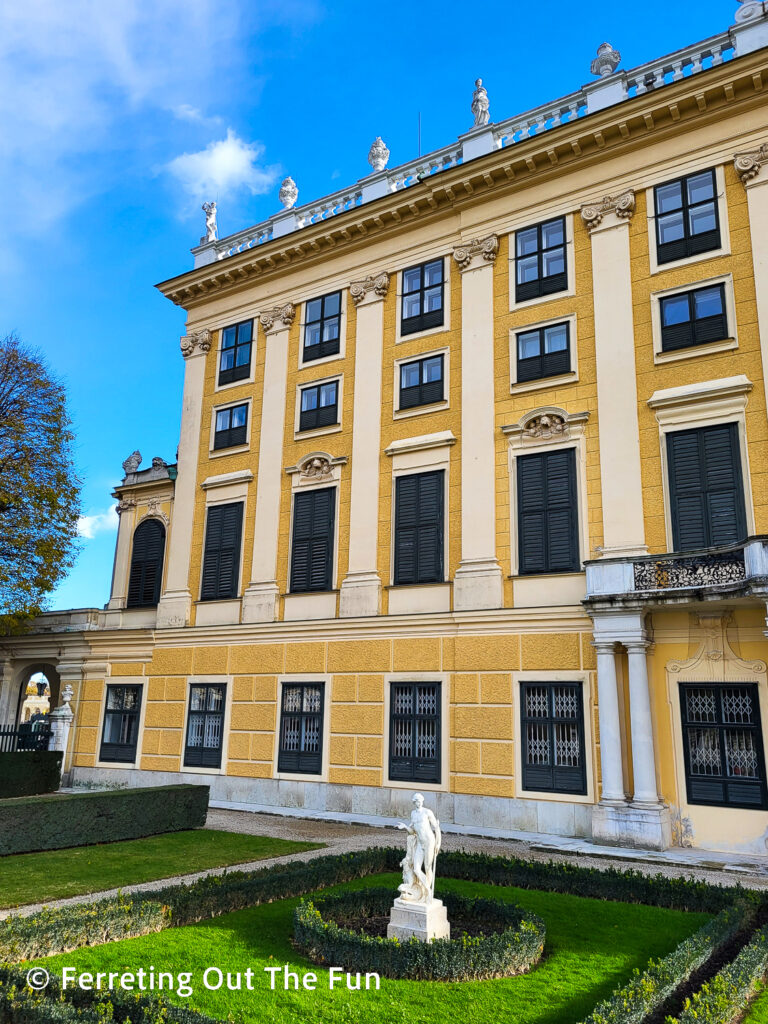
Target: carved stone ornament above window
(377,284)
(749,165)
(279,317)
(317,466)
(545,424)
(125,505)
(486,249)
(153,511)
(622,205)
(199,340)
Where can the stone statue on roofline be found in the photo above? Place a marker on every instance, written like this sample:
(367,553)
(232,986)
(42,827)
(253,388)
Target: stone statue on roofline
(211,231)
(480,105)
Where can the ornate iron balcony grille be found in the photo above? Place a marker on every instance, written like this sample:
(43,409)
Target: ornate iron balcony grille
(690,571)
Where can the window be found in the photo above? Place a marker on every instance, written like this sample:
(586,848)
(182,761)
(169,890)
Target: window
(545,352)
(231,426)
(319,406)
(722,744)
(121,724)
(421,382)
(205,726)
(419,528)
(221,558)
(301,729)
(547,512)
(552,724)
(235,360)
(322,328)
(705,487)
(147,556)
(686,217)
(414,732)
(693,318)
(422,297)
(540,265)
(312,547)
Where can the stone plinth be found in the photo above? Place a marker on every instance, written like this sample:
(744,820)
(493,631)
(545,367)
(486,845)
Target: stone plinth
(418,921)
(647,827)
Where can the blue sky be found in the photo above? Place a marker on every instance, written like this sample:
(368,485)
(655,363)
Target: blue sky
(120,117)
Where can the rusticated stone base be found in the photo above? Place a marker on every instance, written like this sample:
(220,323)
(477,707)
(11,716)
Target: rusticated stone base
(420,921)
(632,825)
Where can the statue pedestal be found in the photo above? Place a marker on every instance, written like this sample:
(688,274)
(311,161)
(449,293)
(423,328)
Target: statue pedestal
(420,921)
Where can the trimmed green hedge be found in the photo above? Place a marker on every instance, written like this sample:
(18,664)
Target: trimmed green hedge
(80,819)
(513,949)
(721,999)
(29,772)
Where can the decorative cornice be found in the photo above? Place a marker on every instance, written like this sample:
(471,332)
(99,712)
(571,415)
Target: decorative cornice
(278,318)
(240,476)
(748,165)
(377,284)
(125,505)
(422,443)
(199,340)
(469,254)
(622,205)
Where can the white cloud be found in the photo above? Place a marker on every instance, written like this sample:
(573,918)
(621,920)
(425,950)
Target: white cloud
(99,522)
(222,168)
(186,112)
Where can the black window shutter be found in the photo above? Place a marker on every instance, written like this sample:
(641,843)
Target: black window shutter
(221,559)
(312,547)
(419,528)
(706,493)
(547,512)
(146,564)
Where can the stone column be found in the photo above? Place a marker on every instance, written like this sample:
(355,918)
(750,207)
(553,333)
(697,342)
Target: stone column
(643,753)
(261,598)
(71,682)
(61,723)
(752,168)
(126,511)
(361,587)
(478,581)
(175,603)
(623,526)
(8,694)
(610,725)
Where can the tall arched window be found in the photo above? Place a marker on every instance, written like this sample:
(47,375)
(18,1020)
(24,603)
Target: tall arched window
(146,564)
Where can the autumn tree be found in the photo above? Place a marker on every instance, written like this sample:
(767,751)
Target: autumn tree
(39,488)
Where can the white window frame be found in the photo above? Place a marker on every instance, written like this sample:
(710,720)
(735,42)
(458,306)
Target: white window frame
(303,677)
(445,729)
(212,680)
(517,387)
(143,682)
(230,322)
(341,354)
(422,410)
(530,220)
(217,453)
(300,435)
(722,214)
(416,261)
(709,347)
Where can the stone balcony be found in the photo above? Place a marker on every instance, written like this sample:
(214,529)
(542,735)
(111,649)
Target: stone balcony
(739,571)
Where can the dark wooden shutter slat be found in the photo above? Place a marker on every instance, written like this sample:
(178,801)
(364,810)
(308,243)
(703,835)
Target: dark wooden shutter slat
(312,547)
(547,512)
(419,528)
(221,558)
(146,564)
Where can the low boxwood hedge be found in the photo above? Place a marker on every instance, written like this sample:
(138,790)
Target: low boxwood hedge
(512,949)
(722,999)
(29,772)
(80,819)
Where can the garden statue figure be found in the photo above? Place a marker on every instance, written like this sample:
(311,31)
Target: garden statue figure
(480,105)
(422,848)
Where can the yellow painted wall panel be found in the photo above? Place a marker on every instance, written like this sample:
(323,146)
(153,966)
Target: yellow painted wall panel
(171,661)
(239,745)
(265,688)
(360,656)
(156,688)
(550,650)
(369,752)
(342,750)
(260,717)
(496,688)
(498,759)
(305,657)
(486,653)
(162,714)
(262,746)
(160,764)
(370,688)
(249,659)
(354,776)
(93,689)
(170,742)
(360,719)
(465,689)
(480,785)
(176,689)
(122,668)
(419,654)
(493,723)
(344,688)
(242,688)
(210,660)
(588,653)
(150,743)
(466,756)
(249,770)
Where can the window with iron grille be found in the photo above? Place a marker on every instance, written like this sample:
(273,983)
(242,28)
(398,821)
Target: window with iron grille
(235,358)
(319,406)
(693,318)
(540,260)
(146,574)
(322,327)
(544,352)
(414,732)
(231,426)
(121,724)
(552,725)
(422,297)
(301,728)
(205,725)
(722,743)
(421,382)
(687,219)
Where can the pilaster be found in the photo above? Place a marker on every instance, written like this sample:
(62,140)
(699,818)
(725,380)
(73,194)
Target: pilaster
(752,168)
(175,603)
(478,581)
(261,598)
(126,510)
(361,587)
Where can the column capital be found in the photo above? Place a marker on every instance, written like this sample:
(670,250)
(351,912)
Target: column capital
(477,253)
(622,207)
(637,646)
(125,505)
(604,646)
(373,288)
(279,318)
(199,342)
(750,164)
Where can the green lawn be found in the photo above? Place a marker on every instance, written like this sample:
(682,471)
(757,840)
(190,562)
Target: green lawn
(592,946)
(758,1012)
(55,874)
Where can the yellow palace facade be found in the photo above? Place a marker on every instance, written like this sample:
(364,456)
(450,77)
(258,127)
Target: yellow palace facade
(472,487)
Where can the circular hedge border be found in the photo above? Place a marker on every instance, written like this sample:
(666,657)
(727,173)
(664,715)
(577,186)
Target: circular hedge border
(513,949)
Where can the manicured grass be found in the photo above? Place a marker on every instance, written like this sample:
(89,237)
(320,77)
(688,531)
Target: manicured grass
(592,946)
(56,874)
(758,1011)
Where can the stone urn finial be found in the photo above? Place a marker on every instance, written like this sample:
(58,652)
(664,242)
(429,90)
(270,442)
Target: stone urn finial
(288,193)
(606,61)
(378,154)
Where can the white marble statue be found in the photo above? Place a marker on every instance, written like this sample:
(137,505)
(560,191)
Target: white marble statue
(211,231)
(480,105)
(422,848)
